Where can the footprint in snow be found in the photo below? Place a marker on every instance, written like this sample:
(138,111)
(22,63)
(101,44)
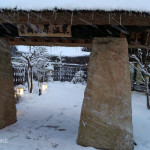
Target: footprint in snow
(49,118)
(55,145)
(13,137)
(27,137)
(39,127)
(54,127)
(47,126)
(61,129)
(61,113)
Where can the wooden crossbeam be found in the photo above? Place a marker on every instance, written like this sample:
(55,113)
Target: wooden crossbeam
(67,42)
(50,42)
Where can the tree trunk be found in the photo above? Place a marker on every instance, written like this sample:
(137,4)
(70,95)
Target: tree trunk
(146,81)
(134,77)
(147,95)
(28,79)
(31,80)
(148,105)
(147,90)
(60,73)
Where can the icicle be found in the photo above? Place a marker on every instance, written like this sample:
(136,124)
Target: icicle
(38,16)
(28,17)
(92,16)
(41,15)
(55,15)
(147,38)
(120,19)
(18,16)
(125,13)
(109,18)
(14,14)
(71,18)
(130,13)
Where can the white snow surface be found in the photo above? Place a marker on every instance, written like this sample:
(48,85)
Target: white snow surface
(108,5)
(20,86)
(51,121)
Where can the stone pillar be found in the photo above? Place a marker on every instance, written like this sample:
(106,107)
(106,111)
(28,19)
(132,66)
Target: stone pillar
(7,100)
(106,117)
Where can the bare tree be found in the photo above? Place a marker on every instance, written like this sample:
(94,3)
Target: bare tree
(140,62)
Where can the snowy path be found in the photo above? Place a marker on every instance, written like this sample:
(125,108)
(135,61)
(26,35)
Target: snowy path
(51,121)
(141,121)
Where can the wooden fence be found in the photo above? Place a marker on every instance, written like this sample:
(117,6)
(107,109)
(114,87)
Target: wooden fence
(64,72)
(19,75)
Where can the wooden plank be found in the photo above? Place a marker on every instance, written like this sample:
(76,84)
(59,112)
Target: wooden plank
(51,42)
(68,42)
(45,30)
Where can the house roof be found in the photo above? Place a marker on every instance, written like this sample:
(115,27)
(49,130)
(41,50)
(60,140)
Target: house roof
(85,19)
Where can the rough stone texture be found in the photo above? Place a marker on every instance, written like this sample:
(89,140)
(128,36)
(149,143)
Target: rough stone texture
(106,117)
(7,100)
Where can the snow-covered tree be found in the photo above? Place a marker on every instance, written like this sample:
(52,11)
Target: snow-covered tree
(141,62)
(36,60)
(28,57)
(42,67)
(79,77)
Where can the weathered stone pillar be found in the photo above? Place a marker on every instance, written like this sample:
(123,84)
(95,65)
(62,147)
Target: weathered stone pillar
(7,100)
(106,117)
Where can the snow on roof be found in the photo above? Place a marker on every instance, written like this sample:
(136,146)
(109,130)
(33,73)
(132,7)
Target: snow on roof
(57,51)
(20,86)
(108,5)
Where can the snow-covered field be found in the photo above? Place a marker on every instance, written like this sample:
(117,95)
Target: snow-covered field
(51,121)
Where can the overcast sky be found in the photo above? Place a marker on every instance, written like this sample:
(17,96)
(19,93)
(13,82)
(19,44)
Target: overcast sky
(65,51)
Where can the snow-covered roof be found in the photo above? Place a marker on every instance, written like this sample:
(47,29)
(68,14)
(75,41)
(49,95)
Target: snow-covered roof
(20,86)
(108,5)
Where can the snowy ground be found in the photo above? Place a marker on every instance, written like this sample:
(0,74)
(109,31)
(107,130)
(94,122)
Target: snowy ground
(51,121)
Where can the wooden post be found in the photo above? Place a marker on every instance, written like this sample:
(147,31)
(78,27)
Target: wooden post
(7,99)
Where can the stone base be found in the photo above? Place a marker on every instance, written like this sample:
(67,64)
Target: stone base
(7,100)
(106,117)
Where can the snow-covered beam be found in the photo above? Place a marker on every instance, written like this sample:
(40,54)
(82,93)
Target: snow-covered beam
(7,100)
(106,117)
(61,17)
